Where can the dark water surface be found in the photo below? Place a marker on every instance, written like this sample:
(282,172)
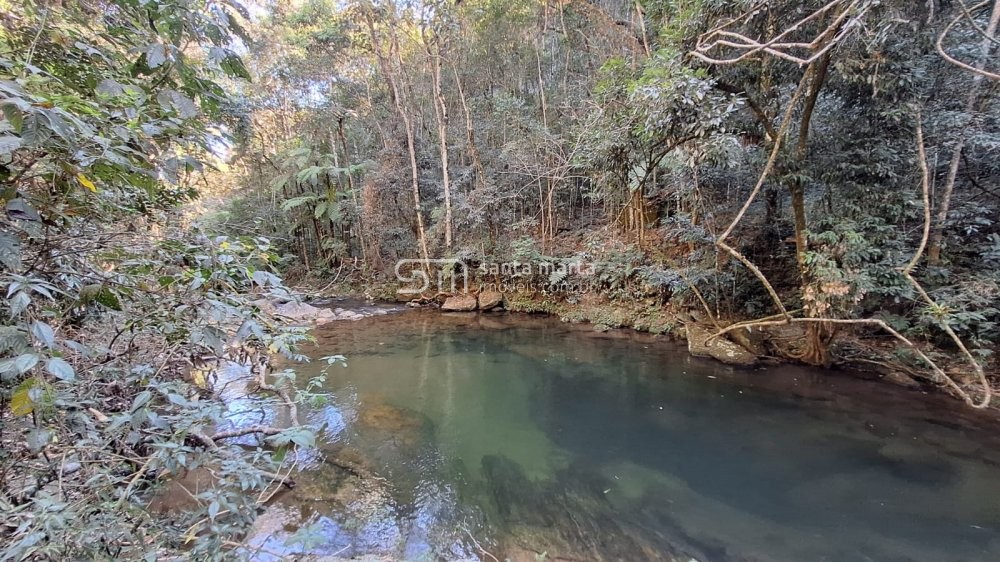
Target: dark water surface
(541,440)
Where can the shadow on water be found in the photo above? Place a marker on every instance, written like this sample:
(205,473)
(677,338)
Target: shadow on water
(532,439)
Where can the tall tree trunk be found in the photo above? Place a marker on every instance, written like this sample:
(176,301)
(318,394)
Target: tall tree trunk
(470,134)
(944,203)
(796,187)
(298,233)
(371,108)
(415,184)
(362,238)
(441,112)
(818,335)
(398,102)
(541,83)
(552,215)
(641,17)
(321,252)
(331,196)
(541,213)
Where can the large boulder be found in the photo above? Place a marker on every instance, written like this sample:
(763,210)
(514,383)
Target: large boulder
(721,349)
(489,300)
(302,312)
(460,303)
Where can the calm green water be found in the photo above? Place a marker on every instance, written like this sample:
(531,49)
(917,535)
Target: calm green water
(530,436)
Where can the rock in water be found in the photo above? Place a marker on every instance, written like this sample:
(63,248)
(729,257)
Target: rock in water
(460,303)
(719,348)
(385,422)
(301,312)
(489,300)
(516,498)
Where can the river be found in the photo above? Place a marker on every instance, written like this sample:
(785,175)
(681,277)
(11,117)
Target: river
(523,438)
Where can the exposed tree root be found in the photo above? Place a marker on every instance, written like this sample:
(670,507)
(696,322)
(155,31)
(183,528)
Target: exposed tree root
(986,392)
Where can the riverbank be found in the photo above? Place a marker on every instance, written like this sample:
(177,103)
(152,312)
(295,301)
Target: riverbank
(861,352)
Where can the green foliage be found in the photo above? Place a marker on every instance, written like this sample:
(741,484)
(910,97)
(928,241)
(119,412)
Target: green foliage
(191,295)
(645,116)
(198,304)
(107,122)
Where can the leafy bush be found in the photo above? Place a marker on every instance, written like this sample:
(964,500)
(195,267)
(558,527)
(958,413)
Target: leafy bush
(110,309)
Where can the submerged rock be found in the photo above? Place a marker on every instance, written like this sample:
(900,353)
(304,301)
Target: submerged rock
(460,303)
(571,517)
(404,426)
(515,497)
(493,322)
(721,349)
(387,417)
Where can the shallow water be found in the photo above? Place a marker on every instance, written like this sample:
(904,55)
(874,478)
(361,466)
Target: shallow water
(531,439)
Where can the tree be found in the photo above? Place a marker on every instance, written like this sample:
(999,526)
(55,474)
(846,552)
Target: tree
(972,98)
(391,64)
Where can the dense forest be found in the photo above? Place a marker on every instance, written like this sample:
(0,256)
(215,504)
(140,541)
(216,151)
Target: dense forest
(814,182)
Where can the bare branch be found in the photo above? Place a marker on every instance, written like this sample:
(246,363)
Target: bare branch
(988,38)
(842,25)
(263,430)
(786,121)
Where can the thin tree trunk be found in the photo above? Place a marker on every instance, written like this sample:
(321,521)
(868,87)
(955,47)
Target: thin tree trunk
(371,107)
(552,218)
(362,239)
(937,235)
(441,112)
(414,176)
(298,233)
(401,110)
(818,334)
(331,196)
(797,188)
(541,212)
(477,163)
(320,251)
(641,15)
(541,84)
